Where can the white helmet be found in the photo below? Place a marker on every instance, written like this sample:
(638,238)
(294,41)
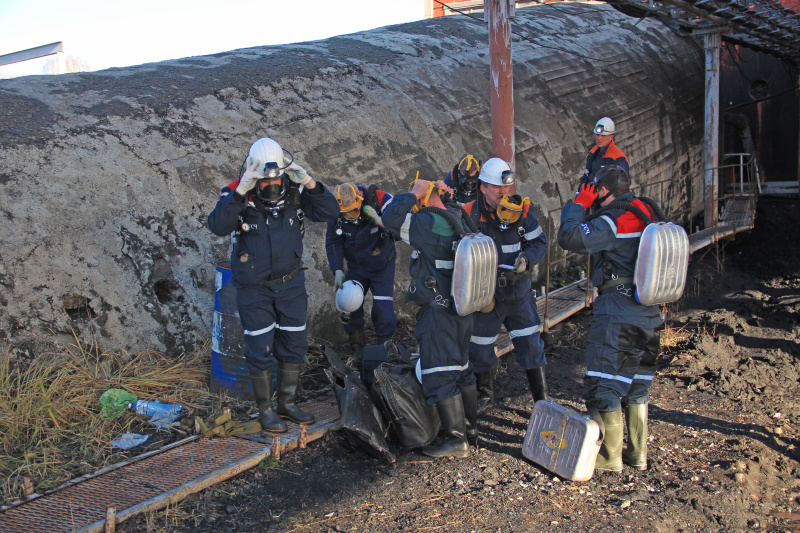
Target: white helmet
(266,150)
(350,297)
(604,126)
(496,172)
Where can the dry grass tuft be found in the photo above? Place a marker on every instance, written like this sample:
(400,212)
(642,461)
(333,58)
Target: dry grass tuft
(672,337)
(50,426)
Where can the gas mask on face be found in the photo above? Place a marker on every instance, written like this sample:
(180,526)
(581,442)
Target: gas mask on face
(510,209)
(274,192)
(352,210)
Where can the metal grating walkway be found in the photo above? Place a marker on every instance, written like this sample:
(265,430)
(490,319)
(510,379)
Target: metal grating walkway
(154,481)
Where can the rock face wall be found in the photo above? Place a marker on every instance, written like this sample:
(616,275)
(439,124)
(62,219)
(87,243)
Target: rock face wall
(107,178)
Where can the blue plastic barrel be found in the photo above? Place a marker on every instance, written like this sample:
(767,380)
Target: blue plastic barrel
(229,373)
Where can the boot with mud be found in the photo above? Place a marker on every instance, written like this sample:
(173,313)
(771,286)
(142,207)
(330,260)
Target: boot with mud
(610,457)
(485,384)
(288,381)
(538,383)
(357,344)
(454,426)
(262,389)
(469,397)
(636,452)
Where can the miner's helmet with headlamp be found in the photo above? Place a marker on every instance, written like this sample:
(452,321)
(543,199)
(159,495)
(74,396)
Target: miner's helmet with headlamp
(467,172)
(496,172)
(349,201)
(271,160)
(604,126)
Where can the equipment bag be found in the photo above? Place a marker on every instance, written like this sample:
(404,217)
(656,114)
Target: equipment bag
(373,356)
(359,415)
(662,261)
(398,393)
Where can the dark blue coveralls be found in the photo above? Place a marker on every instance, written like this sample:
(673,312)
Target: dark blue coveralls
(599,158)
(624,338)
(515,305)
(442,334)
(370,254)
(274,316)
(462,197)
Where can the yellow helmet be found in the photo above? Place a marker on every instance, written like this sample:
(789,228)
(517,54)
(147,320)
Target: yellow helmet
(349,200)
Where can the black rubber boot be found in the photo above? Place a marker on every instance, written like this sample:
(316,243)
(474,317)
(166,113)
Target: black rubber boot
(454,426)
(610,456)
(636,453)
(357,344)
(485,386)
(288,380)
(538,382)
(469,397)
(262,389)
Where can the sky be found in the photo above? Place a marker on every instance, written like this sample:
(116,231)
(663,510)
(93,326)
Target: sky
(112,33)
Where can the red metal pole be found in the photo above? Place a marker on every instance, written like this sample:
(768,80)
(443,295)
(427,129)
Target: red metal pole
(501,80)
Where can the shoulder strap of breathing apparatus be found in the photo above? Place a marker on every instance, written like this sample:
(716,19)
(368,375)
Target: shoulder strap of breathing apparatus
(652,206)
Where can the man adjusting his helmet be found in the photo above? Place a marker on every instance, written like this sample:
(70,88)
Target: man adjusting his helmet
(263,211)
(520,244)
(623,341)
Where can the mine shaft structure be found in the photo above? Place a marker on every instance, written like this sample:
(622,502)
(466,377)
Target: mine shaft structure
(762,25)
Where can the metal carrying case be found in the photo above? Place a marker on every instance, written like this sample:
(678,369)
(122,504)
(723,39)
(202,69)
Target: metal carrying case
(474,273)
(661,264)
(562,440)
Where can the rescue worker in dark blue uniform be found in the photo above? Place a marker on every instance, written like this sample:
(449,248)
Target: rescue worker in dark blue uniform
(463,178)
(358,237)
(442,334)
(624,338)
(263,212)
(520,243)
(604,153)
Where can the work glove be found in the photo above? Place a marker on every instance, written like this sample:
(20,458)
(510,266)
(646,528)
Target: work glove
(521,264)
(249,178)
(338,279)
(372,215)
(297,174)
(586,196)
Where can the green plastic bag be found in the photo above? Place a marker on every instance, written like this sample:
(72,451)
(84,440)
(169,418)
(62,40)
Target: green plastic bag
(114,402)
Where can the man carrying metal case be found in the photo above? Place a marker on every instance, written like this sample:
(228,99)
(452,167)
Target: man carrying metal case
(358,237)
(520,243)
(623,340)
(420,219)
(263,211)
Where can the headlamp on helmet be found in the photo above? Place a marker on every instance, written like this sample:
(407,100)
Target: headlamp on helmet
(605,126)
(350,208)
(496,172)
(510,208)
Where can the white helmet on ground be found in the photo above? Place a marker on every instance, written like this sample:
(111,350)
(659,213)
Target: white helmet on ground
(266,150)
(350,297)
(604,126)
(496,172)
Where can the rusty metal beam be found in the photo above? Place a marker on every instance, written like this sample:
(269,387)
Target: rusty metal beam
(501,79)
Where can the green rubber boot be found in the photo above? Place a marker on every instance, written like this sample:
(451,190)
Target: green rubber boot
(288,381)
(610,456)
(636,419)
(262,390)
(454,426)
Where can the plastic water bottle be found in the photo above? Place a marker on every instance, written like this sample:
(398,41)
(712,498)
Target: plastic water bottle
(142,407)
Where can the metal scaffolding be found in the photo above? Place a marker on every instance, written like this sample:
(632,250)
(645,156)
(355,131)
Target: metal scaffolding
(763,25)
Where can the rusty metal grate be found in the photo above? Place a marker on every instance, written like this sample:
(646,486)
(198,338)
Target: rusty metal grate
(158,480)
